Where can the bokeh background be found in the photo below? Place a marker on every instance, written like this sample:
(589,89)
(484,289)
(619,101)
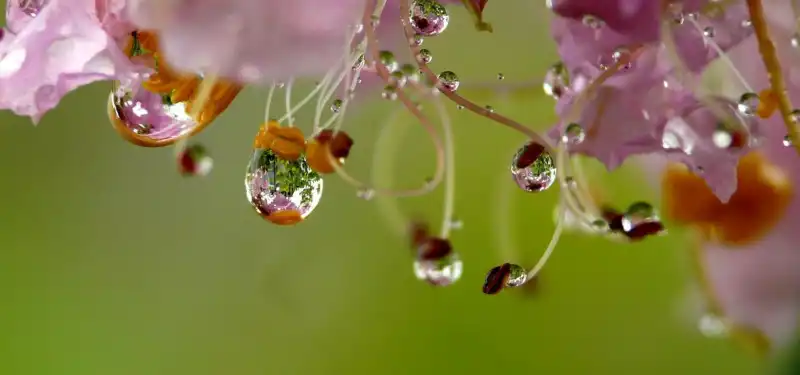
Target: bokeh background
(112,263)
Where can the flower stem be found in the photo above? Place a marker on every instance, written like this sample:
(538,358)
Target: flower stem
(770,57)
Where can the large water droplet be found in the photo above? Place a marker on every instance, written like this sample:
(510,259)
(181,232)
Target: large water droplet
(439,272)
(194,160)
(146,118)
(428,17)
(449,80)
(556,81)
(533,168)
(283,192)
(387,59)
(638,213)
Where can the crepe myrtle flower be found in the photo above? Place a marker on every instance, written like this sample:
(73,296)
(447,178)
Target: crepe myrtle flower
(627,84)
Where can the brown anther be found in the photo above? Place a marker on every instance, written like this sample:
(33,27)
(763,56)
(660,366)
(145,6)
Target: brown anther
(767,103)
(326,148)
(497,278)
(762,196)
(287,142)
(433,248)
(532,152)
(644,230)
(613,218)
(419,232)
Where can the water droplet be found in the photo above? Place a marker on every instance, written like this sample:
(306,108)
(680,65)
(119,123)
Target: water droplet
(556,81)
(439,272)
(282,191)
(387,59)
(398,78)
(389,92)
(533,168)
(365,193)
(592,21)
(424,56)
(501,76)
(795,41)
(622,54)
(693,16)
(795,116)
(449,80)
(195,161)
(709,32)
(488,108)
(416,40)
(31,7)
(787,140)
(336,106)
(410,72)
(428,17)
(573,134)
(507,275)
(676,10)
(637,213)
(723,137)
(280,85)
(455,223)
(358,28)
(147,118)
(712,326)
(359,64)
(459,107)
(748,103)
(747,23)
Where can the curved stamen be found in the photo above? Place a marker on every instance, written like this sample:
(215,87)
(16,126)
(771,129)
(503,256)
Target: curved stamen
(722,56)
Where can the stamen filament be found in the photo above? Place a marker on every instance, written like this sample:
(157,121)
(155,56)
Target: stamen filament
(289,114)
(723,56)
(770,58)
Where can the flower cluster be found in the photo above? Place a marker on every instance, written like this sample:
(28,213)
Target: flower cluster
(628,83)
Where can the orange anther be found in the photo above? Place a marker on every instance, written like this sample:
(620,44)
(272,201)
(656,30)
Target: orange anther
(287,217)
(767,103)
(327,147)
(287,142)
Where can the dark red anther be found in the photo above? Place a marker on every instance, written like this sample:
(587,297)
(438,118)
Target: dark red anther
(496,279)
(433,248)
(340,145)
(531,152)
(419,233)
(614,219)
(645,229)
(187,163)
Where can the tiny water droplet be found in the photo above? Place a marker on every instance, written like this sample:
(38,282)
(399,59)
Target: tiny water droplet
(592,21)
(449,81)
(795,116)
(439,272)
(336,106)
(622,54)
(709,32)
(428,17)
(195,161)
(365,193)
(455,223)
(748,103)
(747,23)
(555,80)
(459,107)
(795,41)
(424,56)
(389,92)
(359,27)
(359,64)
(31,7)
(387,59)
(489,109)
(398,78)
(501,76)
(712,326)
(787,140)
(533,168)
(410,72)
(416,40)
(573,134)
(637,213)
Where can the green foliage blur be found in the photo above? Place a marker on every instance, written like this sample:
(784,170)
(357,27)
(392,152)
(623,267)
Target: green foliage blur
(111,263)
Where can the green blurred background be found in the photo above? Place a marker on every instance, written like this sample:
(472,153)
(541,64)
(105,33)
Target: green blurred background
(112,263)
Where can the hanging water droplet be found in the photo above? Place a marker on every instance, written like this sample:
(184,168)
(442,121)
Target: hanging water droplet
(573,134)
(424,56)
(637,213)
(795,41)
(282,191)
(448,81)
(439,272)
(428,17)
(592,21)
(195,161)
(507,275)
(709,32)
(787,140)
(30,7)
(501,76)
(712,326)
(336,105)
(416,40)
(747,23)
(748,103)
(387,59)
(533,168)
(556,80)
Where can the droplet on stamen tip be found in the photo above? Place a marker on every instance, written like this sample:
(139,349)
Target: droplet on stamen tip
(428,17)
(533,168)
(556,81)
(440,271)
(507,275)
(748,103)
(424,56)
(449,81)
(573,134)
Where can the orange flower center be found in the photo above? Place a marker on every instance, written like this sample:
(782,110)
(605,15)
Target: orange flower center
(763,193)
